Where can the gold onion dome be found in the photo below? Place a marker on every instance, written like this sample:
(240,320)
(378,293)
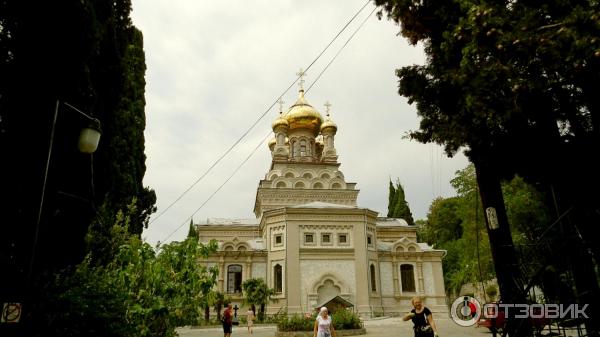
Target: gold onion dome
(272,143)
(280,122)
(303,116)
(329,124)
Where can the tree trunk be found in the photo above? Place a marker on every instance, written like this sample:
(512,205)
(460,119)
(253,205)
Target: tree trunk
(501,244)
(207,313)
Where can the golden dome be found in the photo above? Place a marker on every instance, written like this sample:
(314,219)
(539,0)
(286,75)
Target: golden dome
(303,116)
(272,143)
(329,124)
(280,121)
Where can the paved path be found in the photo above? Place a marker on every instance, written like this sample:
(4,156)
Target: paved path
(386,327)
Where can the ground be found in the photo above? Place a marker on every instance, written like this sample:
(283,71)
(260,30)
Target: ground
(384,327)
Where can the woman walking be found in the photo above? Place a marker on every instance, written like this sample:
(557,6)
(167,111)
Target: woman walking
(422,319)
(324,325)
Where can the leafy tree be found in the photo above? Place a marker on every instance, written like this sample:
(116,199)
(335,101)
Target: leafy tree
(139,292)
(256,292)
(513,83)
(397,205)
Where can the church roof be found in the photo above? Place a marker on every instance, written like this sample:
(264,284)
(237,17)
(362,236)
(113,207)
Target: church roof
(319,204)
(230,221)
(392,222)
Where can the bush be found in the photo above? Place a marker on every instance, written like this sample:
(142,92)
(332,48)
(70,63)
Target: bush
(296,323)
(342,320)
(346,319)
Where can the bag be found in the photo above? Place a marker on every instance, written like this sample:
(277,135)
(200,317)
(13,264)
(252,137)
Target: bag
(423,331)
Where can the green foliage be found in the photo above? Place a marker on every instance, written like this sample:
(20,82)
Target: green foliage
(342,320)
(397,204)
(296,322)
(491,291)
(345,319)
(256,292)
(457,225)
(139,292)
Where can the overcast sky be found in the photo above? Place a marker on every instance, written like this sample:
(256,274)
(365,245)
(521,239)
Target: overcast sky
(214,67)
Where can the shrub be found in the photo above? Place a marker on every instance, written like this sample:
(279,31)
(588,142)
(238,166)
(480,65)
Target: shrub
(342,320)
(346,319)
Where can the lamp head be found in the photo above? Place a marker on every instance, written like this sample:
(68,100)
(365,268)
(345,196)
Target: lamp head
(90,137)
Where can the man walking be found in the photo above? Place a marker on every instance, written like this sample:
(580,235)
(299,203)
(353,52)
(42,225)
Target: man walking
(227,320)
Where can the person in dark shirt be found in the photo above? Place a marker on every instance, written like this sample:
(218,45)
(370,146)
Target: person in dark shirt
(422,319)
(227,320)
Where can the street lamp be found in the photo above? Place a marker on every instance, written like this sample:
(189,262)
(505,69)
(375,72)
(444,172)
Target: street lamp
(88,143)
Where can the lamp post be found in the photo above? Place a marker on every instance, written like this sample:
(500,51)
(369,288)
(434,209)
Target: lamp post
(88,143)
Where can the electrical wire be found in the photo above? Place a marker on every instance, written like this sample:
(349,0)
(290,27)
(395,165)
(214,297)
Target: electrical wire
(269,133)
(258,120)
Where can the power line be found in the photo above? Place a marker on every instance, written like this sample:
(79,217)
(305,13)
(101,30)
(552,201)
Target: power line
(220,187)
(256,122)
(342,48)
(269,133)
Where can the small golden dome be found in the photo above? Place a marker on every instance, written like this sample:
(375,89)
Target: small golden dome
(329,124)
(280,122)
(272,143)
(303,116)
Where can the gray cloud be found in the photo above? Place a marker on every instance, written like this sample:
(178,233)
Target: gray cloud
(215,66)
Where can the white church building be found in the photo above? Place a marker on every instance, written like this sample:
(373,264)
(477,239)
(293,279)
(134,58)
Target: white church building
(310,241)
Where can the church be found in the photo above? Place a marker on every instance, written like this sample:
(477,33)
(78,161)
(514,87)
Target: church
(311,242)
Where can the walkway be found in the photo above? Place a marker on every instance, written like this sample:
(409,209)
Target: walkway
(385,327)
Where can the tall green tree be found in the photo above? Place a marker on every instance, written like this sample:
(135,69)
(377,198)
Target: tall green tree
(88,54)
(513,83)
(397,204)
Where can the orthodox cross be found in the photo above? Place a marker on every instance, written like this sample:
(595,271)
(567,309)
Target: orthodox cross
(301,75)
(327,106)
(280,101)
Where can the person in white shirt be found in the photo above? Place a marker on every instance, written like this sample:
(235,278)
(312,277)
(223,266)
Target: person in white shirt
(324,325)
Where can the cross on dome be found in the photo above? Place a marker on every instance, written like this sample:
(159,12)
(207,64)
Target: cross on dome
(327,106)
(301,75)
(280,102)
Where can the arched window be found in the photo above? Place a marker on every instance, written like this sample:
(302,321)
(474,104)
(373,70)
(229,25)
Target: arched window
(281,184)
(373,280)
(299,185)
(278,278)
(234,279)
(303,148)
(336,185)
(407,276)
(318,185)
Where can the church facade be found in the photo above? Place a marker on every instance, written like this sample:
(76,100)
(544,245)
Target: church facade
(310,241)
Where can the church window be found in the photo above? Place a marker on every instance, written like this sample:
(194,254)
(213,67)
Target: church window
(234,279)
(370,240)
(343,238)
(281,184)
(278,278)
(299,185)
(326,238)
(407,277)
(309,238)
(318,185)
(373,280)
(303,148)
(278,239)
